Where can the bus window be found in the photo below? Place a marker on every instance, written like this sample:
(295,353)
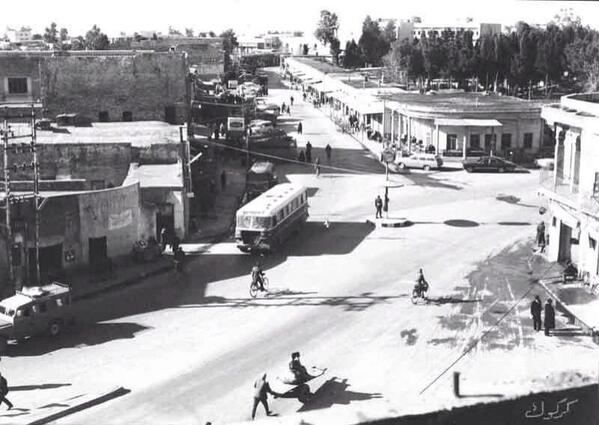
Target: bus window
(244,221)
(280,215)
(261,222)
(274,221)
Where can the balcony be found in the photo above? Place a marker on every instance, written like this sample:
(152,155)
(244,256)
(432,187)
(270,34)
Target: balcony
(565,191)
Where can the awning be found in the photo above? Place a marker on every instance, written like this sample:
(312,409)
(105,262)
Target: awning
(312,80)
(467,122)
(365,108)
(321,87)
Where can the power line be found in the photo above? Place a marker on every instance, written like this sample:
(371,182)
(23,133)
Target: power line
(475,343)
(291,161)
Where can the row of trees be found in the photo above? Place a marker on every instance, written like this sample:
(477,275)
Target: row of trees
(563,53)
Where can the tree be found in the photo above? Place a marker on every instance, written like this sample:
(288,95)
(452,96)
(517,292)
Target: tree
(212,34)
(173,31)
(189,32)
(326,31)
(64,35)
(583,61)
(353,55)
(372,42)
(51,34)
(78,43)
(37,37)
(229,44)
(390,32)
(95,39)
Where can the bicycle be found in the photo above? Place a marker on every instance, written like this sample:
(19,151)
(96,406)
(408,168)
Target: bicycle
(419,295)
(255,287)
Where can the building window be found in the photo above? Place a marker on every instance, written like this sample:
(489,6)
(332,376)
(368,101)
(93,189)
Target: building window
(489,141)
(527,140)
(127,116)
(475,141)
(103,116)
(452,142)
(506,141)
(18,85)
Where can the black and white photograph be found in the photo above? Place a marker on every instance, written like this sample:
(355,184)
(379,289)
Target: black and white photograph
(320,212)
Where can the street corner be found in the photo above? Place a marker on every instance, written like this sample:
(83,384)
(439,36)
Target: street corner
(46,403)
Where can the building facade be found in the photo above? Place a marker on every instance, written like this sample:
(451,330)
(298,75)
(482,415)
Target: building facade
(103,85)
(414,28)
(454,123)
(571,188)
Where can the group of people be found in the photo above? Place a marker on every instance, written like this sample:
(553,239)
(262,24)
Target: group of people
(262,387)
(536,308)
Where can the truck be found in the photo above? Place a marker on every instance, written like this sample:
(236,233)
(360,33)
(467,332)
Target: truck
(33,311)
(259,178)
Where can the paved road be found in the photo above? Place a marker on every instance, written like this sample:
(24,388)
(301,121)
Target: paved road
(339,295)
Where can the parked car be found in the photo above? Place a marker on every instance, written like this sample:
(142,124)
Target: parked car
(33,311)
(257,126)
(426,161)
(488,163)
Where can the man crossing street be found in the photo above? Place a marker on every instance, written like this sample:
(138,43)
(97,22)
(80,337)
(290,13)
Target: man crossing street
(378,204)
(535,310)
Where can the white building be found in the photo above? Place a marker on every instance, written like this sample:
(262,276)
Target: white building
(572,187)
(18,36)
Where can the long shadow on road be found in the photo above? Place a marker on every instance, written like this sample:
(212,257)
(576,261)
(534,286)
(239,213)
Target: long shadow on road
(335,392)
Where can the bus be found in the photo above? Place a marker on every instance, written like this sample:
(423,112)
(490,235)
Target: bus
(265,222)
(259,179)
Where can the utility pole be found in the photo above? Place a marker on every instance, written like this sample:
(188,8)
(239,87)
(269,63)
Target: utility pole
(5,135)
(36,193)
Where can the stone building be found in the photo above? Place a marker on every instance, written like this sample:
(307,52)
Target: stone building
(101,85)
(103,188)
(571,188)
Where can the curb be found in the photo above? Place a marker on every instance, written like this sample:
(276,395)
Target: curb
(110,395)
(577,321)
(400,222)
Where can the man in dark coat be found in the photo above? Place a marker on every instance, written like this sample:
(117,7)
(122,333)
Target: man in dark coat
(308,152)
(378,204)
(4,391)
(535,310)
(549,316)
(541,236)
(261,390)
(299,128)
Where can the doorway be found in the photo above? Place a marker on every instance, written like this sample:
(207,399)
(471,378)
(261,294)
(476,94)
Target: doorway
(98,253)
(50,263)
(565,243)
(165,218)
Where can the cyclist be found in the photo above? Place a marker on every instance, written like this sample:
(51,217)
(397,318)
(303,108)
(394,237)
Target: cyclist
(421,286)
(258,275)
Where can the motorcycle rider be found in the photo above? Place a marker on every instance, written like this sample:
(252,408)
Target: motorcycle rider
(297,368)
(421,283)
(258,275)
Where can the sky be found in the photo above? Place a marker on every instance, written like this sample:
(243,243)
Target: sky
(248,17)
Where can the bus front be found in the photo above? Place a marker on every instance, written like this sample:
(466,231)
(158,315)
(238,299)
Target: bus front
(252,232)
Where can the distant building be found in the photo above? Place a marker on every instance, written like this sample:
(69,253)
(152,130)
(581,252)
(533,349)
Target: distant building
(414,28)
(572,186)
(105,85)
(20,35)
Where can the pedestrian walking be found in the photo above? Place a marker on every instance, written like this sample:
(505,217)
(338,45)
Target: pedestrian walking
(327,150)
(164,240)
(549,316)
(301,157)
(541,236)
(223,180)
(222,129)
(536,307)
(300,128)
(308,152)
(317,167)
(4,392)
(378,204)
(175,242)
(261,391)
(291,100)
(283,108)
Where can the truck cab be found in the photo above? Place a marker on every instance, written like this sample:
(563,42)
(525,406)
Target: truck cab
(34,311)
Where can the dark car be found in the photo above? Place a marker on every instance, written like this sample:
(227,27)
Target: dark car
(488,163)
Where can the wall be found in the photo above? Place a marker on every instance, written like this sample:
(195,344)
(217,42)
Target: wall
(114,213)
(91,82)
(157,195)
(15,65)
(107,162)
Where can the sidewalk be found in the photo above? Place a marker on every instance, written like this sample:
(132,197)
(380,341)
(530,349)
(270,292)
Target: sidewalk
(577,300)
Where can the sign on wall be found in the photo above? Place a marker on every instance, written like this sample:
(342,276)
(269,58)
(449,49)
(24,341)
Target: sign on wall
(120,220)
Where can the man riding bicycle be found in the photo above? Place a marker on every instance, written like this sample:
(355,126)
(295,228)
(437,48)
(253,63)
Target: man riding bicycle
(421,284)
(258,276)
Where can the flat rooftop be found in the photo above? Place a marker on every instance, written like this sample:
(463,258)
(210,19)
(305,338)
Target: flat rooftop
(463,101)
(156,175)
(138,133)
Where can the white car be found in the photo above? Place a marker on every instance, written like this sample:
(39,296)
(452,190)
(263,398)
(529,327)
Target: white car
(426,161)
(260,125)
